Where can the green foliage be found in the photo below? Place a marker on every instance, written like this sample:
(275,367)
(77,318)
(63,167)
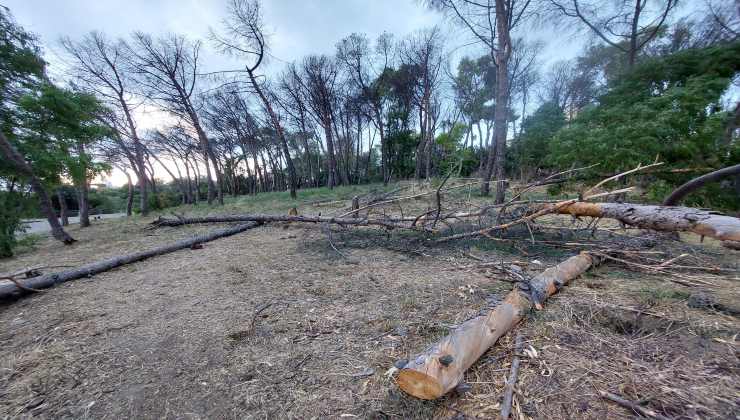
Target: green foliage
(453,156)
(10,222)
(474,86)
(57,126)
(667,107)
(402,146)
(530,149)
(164,199)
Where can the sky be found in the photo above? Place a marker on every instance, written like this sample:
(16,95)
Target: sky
(295,28)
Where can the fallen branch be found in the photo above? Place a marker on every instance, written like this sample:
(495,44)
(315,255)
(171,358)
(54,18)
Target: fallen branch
(264,218)
(48,280)
(679,193)
(645,412)
(441,367)
(509,390)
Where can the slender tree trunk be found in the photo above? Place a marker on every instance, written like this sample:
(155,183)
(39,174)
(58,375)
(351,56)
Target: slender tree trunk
(130,197)
(84,203)
(219,177)
(63,214)
(16,159)
(281,135)
(632,55)
(197,179)
(332,162)
(497,153)
(139,156)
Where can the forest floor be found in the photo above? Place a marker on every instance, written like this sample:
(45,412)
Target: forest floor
(275,323)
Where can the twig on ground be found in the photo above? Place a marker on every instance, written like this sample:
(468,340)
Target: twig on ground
(632,406)
(510,384)
(256,314)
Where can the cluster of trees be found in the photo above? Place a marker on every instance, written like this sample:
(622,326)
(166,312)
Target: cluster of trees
(373,111)
(664,92)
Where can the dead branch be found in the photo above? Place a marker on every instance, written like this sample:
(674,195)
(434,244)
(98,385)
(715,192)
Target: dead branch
(645,412)
(48,280)
(679,193)
(509,390)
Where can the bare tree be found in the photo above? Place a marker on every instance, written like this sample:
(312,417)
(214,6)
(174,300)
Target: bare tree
(319,82)
(364,66)
(627,25)
(100,65)
(491,23)
(167,68)
(423,51)
(295,105)
(245,37)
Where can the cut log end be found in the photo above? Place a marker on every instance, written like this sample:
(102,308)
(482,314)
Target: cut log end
(419,384)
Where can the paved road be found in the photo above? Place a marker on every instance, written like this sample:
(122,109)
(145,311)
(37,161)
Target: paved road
(42,225)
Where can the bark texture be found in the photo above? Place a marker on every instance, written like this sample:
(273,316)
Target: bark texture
(9,289)
(441,367)
(669,219)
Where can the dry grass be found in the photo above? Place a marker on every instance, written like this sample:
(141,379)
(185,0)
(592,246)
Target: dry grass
(177,336)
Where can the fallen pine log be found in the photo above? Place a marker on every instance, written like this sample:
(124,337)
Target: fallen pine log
(662,218)
(441,367)
(263,218)
(47,280)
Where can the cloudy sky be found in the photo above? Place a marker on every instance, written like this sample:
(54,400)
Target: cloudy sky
(296,27)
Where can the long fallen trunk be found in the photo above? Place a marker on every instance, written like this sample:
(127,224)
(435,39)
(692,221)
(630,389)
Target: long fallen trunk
(9,288)
(440,368)
(286,218)
(670,219)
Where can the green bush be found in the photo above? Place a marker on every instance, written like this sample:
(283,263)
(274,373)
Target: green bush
(10,222)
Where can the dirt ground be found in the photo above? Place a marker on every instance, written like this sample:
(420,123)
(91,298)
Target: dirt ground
(274,323)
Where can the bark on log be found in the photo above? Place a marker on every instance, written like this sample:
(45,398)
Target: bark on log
(679,193)
(441,367)
(669,219)
(9,289)
(264,218)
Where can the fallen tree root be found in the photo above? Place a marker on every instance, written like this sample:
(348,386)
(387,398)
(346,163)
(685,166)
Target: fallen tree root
(441,367)
(10,288)
(263,218)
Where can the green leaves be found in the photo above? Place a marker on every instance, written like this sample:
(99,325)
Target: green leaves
(667,107)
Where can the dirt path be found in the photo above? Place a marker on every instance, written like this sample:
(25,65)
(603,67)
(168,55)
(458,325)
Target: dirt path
(171,337)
